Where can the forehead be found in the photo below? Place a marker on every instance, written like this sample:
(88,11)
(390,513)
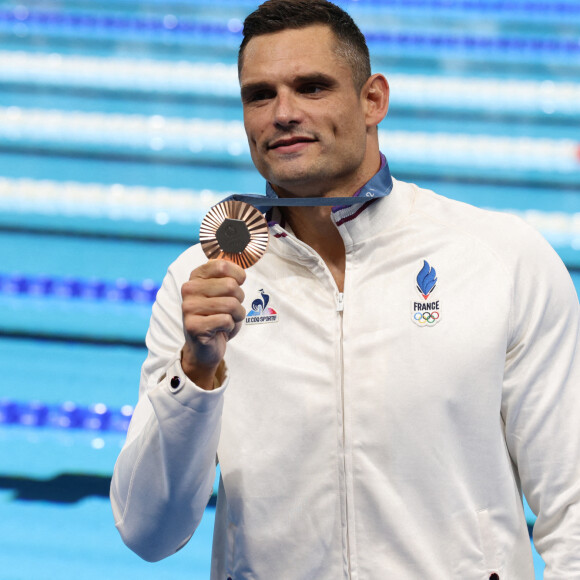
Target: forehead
(292,52)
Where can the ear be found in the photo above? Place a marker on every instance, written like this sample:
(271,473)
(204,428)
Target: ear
(375,95)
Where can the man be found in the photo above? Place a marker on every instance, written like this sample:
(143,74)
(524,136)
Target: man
(419,368)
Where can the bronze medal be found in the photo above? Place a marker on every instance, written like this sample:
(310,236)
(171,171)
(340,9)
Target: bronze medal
(234,231)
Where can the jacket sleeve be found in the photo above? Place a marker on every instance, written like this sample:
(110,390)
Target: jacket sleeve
(164,475)
(541,403)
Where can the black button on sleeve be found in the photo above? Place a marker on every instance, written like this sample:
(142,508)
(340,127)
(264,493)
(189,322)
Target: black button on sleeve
(175,383)
(494,576)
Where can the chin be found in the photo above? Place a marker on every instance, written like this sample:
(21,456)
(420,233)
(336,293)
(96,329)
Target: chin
(294,180)
(296,175)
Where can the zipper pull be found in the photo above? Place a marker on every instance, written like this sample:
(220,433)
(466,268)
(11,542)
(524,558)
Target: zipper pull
(340,302)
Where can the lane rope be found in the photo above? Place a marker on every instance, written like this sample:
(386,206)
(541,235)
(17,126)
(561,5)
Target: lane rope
(67,415)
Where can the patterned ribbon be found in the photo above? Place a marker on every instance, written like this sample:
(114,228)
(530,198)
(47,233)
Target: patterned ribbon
(379,186)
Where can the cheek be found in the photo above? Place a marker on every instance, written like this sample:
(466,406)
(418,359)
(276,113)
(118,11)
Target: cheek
(346,120)
(353,128)
(252,126)
(250,133)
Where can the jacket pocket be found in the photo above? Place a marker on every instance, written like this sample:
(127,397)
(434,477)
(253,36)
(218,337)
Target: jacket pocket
(489,546)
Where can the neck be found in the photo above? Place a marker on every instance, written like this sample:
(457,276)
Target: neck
(314,227)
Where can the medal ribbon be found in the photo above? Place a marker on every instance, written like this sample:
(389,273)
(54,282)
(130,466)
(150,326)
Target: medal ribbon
(239,233)
(379,186)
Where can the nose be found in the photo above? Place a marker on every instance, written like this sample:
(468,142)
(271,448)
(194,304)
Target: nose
(286,110)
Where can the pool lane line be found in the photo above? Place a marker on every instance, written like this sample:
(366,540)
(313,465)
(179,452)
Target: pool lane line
(106,341)
(64,488)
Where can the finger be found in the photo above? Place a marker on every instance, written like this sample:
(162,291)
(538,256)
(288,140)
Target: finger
(203,329)
(212,288)
(196,306)
(220,269)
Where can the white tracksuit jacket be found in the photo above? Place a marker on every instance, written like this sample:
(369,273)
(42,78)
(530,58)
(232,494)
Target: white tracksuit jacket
(378,433)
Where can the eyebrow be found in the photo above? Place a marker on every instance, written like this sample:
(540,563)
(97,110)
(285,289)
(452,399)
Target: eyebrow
(313,78)
(318,77)
(251,88)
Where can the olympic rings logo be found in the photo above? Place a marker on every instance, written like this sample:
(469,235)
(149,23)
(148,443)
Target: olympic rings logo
(426,317)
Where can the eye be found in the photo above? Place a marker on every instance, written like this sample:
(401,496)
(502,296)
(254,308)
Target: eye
(258,95)
(312,89)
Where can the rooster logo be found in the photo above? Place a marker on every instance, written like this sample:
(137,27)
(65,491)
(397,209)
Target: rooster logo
(260,311)
(259,306)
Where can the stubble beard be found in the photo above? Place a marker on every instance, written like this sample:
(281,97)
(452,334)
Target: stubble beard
(308,179)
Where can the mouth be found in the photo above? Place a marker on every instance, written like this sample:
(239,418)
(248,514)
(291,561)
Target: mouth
(289,142)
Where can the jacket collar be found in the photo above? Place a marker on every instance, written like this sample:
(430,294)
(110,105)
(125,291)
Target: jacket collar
(388,200)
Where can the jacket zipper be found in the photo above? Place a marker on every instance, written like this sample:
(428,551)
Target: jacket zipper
(340,310)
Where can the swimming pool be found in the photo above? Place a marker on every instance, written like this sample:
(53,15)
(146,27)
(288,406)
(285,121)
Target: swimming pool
(120,126)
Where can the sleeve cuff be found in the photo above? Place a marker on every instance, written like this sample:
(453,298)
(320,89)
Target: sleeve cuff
(179,385)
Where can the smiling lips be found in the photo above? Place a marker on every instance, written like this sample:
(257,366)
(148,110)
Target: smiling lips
(290,144)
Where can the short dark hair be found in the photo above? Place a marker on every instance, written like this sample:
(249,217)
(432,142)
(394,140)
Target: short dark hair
(278,15)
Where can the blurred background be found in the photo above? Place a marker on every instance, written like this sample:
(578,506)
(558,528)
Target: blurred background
(120,125)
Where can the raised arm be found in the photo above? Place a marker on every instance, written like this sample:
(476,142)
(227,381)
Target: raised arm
(164,475)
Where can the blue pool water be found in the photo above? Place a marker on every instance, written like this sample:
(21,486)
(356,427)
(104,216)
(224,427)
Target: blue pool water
(495,84)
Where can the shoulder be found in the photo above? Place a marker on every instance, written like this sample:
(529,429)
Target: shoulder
(508,236)
(501,241)
(463,216)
